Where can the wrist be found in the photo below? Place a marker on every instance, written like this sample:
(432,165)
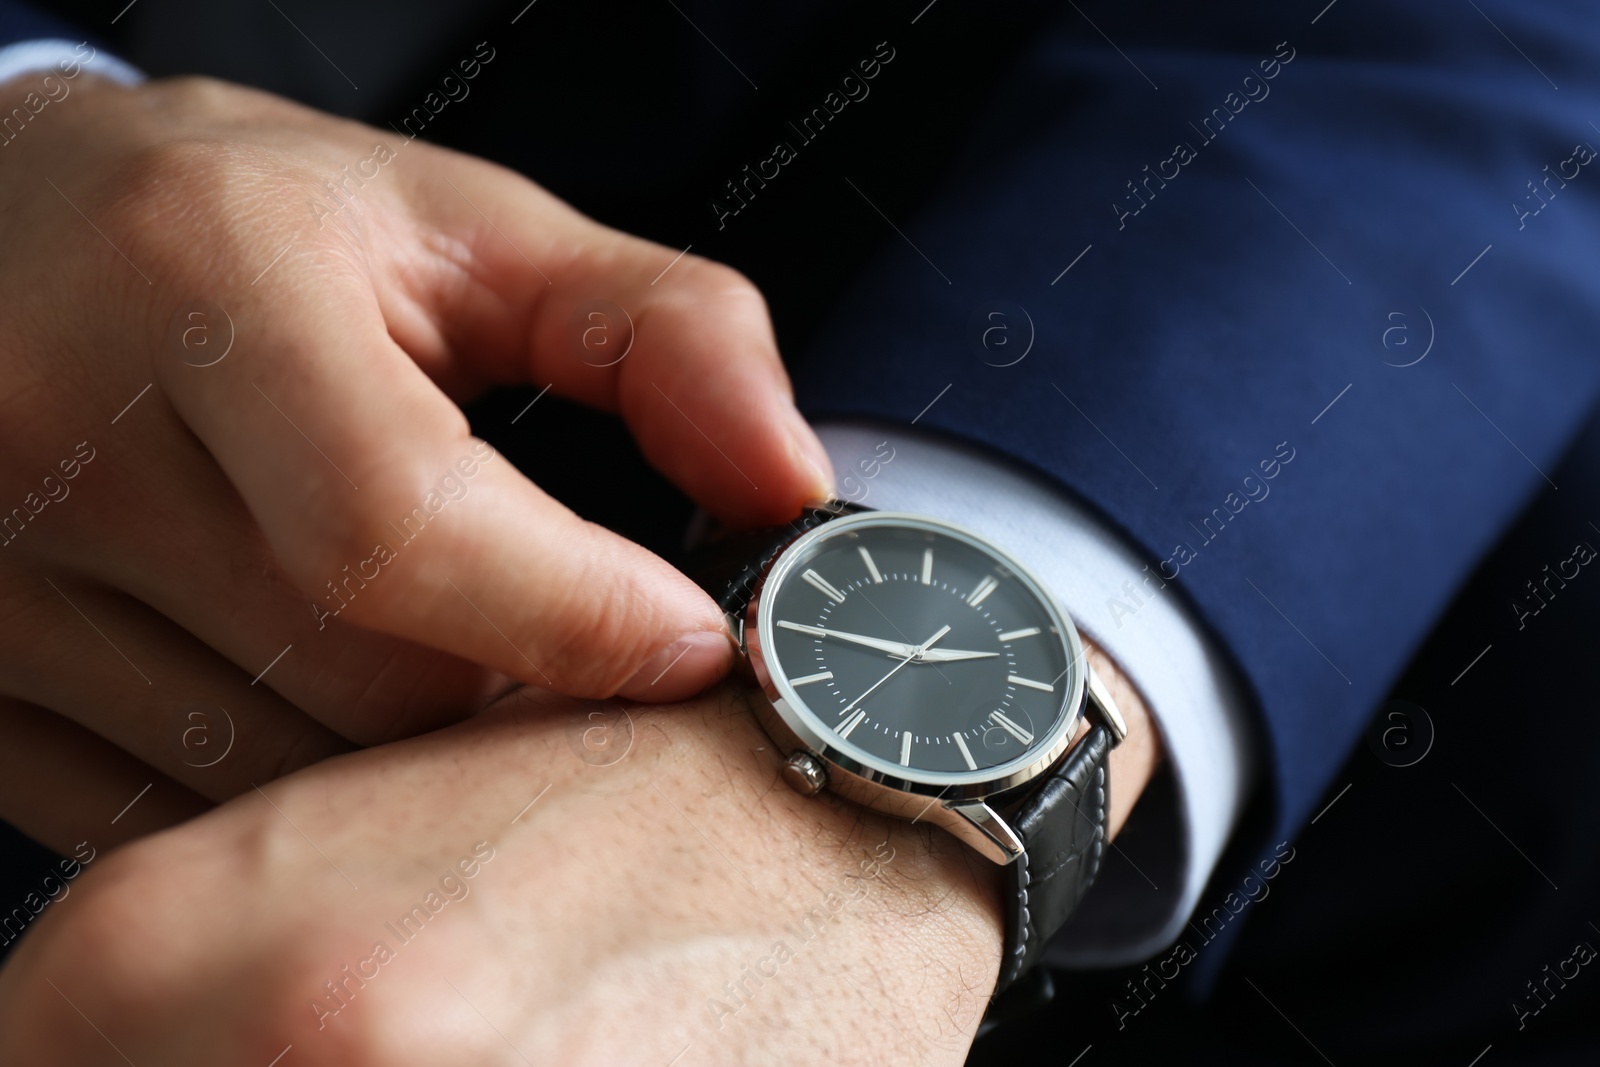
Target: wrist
(812,901)
(1133,762)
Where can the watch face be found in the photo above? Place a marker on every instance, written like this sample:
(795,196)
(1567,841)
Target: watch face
(918,650)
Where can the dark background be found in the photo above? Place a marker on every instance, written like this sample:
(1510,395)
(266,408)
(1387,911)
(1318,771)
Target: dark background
(1419,903)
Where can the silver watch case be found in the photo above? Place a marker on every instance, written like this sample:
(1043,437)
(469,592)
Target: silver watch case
(971,810)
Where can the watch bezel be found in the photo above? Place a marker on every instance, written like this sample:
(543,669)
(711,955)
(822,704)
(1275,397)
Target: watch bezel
(791,723)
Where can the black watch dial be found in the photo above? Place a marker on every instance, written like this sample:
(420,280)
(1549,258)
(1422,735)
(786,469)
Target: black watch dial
(917,646)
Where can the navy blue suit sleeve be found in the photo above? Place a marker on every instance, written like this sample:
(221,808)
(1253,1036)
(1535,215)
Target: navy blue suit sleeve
(19,22)
(1265,216)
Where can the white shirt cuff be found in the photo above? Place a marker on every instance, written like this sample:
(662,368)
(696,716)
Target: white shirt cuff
(56,56)
(1137,907)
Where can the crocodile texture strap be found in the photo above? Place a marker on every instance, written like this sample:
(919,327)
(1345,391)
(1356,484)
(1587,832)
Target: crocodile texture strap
(731,566)
(1062,826)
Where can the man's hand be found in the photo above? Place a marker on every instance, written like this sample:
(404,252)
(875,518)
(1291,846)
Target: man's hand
(232,337)
(551,882)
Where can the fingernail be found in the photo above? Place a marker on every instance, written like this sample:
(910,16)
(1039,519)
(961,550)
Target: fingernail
(683,668)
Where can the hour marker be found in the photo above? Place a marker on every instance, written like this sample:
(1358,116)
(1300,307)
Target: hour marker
(808,679)
(854,721)
(802,628)
(1010,727)
(985,587)
(821,583)
(1044,687)
(966,753)
(927,566)
(905,749)
(1014,634)
(872,568)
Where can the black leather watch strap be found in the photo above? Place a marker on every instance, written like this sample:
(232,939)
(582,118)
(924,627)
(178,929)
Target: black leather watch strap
(730,566)
(1062,826)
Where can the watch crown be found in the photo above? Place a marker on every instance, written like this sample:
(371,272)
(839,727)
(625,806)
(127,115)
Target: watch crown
(805,774)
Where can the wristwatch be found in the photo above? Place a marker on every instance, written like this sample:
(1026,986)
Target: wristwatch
(919,669)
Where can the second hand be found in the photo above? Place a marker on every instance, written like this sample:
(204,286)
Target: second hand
(919,650)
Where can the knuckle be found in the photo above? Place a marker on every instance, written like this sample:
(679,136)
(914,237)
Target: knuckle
(174,206)
(197,209)
(192,92)
(155,957)
(178,181)
(597,630)
(142,953)
(393,1030)
(725,283)
(343,557)
(353,537)
(741,322)
(324,564)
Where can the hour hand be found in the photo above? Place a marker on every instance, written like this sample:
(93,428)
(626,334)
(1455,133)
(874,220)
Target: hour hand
(894,648)
(950,655)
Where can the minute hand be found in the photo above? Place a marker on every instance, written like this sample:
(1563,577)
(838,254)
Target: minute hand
(950,655)
(894,648)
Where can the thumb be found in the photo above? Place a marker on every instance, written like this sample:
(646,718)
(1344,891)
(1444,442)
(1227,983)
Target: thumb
(488,566)
(592,613)
(390,515)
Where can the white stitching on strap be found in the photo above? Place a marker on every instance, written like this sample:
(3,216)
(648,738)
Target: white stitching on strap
(1020,949)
